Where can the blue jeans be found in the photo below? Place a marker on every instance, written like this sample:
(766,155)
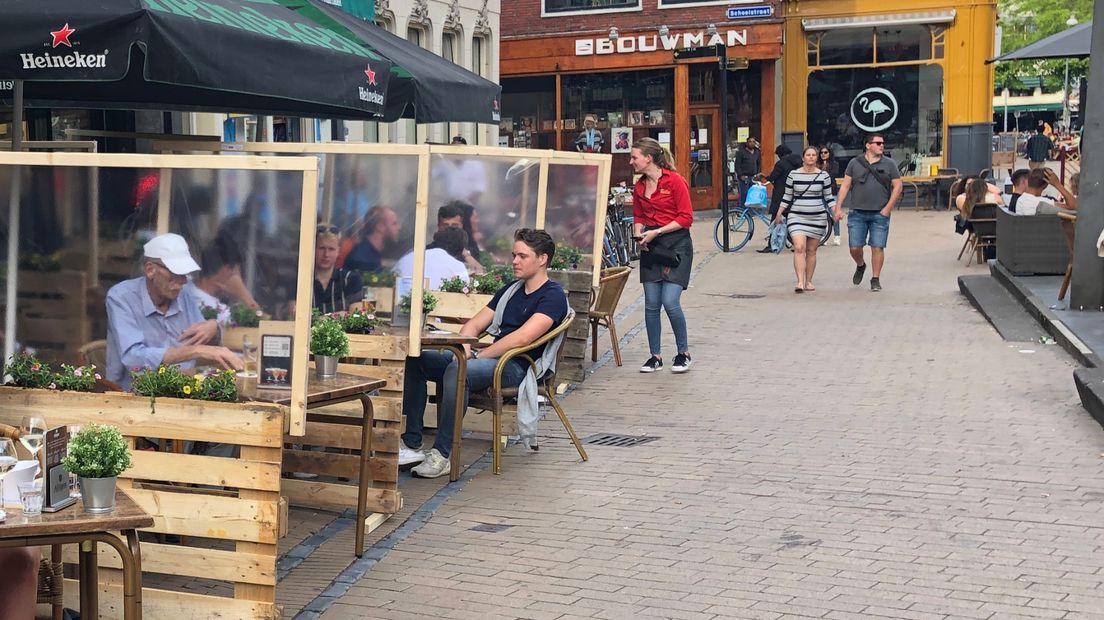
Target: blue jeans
(441,368)
(867,228)
(665,294)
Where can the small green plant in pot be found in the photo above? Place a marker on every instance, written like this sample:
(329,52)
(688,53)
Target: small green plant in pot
(97,455)
(429,304)
(328,343)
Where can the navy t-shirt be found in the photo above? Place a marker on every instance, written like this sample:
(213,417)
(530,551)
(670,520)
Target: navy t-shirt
(364,258)
(550,300)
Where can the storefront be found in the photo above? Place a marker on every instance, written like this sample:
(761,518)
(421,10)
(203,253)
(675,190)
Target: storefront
(851,68)
(632,83)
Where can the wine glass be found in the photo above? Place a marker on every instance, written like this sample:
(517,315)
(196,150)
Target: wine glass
(8,461)
(32,432)
(249,355)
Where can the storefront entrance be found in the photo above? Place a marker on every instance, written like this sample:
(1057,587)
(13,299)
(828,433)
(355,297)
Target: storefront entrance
(705,157)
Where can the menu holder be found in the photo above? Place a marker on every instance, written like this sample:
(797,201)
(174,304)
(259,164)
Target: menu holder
(55,481)
(274,363)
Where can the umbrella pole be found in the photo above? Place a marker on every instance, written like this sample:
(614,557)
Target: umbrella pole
(13,224)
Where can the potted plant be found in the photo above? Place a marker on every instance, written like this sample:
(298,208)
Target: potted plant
(328,343)
(429,304)
(97,455)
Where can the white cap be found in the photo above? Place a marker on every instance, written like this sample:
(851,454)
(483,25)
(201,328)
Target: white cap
(172,250)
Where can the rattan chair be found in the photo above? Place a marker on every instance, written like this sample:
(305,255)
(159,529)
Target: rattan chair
(603,308)
(494,398)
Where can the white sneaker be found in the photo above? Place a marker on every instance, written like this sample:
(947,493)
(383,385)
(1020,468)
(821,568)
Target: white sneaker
(409,456)
(836,240)
(434,465)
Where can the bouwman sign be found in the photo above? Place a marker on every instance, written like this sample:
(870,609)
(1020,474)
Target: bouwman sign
(654,43)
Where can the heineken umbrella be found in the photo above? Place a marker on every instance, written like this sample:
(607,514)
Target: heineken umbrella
(423,85)
(1070,43)
(200,55)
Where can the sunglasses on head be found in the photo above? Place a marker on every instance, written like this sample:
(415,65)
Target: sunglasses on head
(323,228)
(824,152)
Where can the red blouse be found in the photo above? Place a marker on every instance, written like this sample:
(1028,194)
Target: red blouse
(670,201)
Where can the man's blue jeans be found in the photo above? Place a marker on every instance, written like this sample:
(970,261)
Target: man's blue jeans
(667,295)
(440,367)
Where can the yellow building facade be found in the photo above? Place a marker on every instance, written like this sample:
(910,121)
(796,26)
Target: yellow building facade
(906,68)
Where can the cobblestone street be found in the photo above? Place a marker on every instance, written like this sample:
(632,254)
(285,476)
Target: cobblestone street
(839,454)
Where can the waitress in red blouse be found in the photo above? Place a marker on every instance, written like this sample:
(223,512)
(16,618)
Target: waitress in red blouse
(661,222)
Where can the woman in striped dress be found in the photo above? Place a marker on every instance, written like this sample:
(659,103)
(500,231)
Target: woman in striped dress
(806,204)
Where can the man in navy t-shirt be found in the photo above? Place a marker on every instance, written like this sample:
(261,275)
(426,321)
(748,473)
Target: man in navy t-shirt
(534,309)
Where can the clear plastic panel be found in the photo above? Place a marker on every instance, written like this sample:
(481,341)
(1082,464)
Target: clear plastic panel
(502,193)
(570,213)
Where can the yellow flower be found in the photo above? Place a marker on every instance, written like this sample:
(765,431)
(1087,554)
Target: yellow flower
(161,370)
(199,379)
(187,389)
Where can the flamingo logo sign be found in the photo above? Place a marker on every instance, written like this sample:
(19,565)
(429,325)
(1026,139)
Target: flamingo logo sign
(874,109)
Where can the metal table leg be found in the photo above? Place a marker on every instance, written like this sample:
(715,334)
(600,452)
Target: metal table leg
(362,482)
(458,416)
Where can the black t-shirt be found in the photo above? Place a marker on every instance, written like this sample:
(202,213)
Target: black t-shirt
(344,288)
(549,300)
(1012,202)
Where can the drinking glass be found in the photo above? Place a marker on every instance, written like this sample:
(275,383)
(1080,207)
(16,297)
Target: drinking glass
(8,461)
(249,353)
(30,495)
(32,432)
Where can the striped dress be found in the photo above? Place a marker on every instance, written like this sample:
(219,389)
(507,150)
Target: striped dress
(807,198)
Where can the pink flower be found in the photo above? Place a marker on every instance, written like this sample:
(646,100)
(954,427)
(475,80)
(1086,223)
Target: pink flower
(53,386)
(259,313)
(36,367)
(371,317)
(78,373)
(466,290)
(98,377)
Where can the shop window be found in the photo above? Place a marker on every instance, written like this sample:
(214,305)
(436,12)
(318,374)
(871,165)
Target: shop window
(744,105)
(528,112)
(903,43)
(703,83)
(625,106)
(905,104)
(847,46)
(597,6)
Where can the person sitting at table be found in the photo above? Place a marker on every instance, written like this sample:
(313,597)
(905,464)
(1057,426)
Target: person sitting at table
(19,588)
(1069,195)
(335,289)
(977,192)
(450,216)
(381,229)
(219,283)
(443,258)
(154,319)
(1032,202)
(522,311)
(1019,186)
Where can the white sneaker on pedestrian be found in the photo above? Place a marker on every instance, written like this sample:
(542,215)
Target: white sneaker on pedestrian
(434,465)
(836,240)
(409,456)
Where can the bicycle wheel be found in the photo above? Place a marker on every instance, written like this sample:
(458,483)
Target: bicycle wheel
(741,227)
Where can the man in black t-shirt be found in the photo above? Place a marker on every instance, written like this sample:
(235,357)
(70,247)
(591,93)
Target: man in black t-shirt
(1019,187)
(531,311)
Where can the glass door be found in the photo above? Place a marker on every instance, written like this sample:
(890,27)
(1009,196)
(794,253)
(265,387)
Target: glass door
(705,173)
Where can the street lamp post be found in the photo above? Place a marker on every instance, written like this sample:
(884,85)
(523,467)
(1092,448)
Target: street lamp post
(1071,22)
(1004,95)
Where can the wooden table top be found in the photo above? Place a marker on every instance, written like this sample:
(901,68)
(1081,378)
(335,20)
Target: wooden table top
(321,390)
(446,338)
(74,520)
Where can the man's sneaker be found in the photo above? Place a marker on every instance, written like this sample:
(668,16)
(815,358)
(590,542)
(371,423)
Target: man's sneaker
(653,364)
(682,363)
(409,456)
(836,240)
(875,284)
(434,465)
(859,271)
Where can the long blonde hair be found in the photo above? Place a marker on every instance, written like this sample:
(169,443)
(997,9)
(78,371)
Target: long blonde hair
(652,148)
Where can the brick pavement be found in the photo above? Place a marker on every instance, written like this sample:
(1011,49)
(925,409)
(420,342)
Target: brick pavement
(840,454)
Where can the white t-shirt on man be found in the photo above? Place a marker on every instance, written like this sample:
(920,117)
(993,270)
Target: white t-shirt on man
(439,266)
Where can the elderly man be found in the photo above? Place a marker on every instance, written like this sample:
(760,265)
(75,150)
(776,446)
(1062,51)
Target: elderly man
(153,319)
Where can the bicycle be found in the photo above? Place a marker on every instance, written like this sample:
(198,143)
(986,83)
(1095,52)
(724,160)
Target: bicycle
(742,227)
(618,246)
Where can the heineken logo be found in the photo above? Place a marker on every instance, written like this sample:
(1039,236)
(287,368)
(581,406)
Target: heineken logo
(370,96)
(61,37)
(71,60)
(371,75)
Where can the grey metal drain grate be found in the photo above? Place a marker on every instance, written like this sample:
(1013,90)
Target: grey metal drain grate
(618,441)
(490,527)
(737,295)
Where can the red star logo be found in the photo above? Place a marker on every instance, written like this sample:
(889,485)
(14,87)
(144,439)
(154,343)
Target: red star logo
(61,37)
(371,75)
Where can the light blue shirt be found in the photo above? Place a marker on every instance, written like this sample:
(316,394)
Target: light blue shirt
(138,334)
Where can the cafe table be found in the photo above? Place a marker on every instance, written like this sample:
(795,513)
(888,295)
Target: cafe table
(340,389)
(71,525)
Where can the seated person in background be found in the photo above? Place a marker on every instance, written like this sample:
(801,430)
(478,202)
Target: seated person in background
(19,588)
(381,228)
(1019,186)
(154,319)
(459,214)
(534,306)
(335,290)
(219,282)
(1069,196)
(443,258)
(1032,201)
(977,192)
(450,216)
